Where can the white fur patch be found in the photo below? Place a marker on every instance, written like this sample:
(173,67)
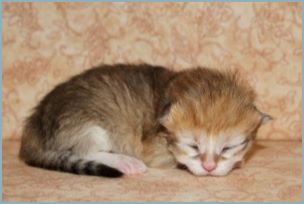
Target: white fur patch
(98,138)
(98,143)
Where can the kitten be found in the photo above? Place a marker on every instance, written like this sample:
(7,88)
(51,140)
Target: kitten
(115,120)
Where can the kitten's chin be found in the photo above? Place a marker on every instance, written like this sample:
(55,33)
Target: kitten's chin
(198,171)
(195,167)
(223,168)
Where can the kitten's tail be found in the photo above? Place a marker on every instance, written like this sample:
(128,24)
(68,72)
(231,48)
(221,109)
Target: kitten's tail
(67,162)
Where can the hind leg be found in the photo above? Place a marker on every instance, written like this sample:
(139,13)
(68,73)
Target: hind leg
(126,164)
(94,144)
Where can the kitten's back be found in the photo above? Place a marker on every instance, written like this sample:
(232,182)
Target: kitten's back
(119,98)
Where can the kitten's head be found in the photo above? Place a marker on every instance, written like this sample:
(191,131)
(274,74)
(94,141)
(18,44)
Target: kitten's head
(212,120)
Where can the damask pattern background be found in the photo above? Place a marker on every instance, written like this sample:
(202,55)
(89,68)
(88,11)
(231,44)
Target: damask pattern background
(46,43)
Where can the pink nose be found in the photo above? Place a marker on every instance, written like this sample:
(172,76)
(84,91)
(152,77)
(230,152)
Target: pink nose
(209,166)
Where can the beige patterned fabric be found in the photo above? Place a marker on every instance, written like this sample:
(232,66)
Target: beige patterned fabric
(46,43)
(272,173)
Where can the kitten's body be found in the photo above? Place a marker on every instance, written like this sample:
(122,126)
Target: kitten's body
(109,119)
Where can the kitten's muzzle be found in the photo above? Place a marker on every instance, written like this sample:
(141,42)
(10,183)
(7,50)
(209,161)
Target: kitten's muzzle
(209,162)
(209,166)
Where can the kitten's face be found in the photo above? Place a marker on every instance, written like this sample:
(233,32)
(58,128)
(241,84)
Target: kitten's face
(212,121)
(210,155)
(213,149)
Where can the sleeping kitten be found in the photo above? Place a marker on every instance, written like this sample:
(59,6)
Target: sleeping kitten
(115,120)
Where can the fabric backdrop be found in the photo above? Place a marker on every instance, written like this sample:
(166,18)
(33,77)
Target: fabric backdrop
(46,43)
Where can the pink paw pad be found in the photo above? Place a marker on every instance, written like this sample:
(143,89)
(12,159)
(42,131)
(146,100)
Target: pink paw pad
(129,165)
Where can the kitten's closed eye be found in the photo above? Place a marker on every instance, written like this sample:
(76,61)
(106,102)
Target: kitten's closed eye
(225,149)
(195,147)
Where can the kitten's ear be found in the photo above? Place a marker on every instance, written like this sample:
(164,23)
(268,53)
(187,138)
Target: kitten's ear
(265,118)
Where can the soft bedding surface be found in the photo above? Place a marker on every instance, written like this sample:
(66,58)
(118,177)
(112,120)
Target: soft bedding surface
(272,173)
